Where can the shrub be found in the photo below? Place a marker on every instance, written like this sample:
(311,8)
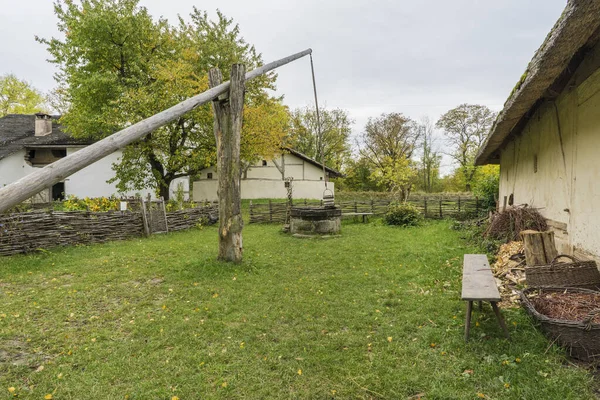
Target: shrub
(402,214)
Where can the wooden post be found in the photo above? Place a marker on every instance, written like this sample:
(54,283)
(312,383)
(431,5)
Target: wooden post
(476,205)
(164,210)
(539,247)
(459,204)
(144,217)
(228,126)
(441,215)
(372,207)
(270,211)
(425,206)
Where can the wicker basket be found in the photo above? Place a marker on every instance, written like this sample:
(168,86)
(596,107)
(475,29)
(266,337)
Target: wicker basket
(580,338)
(577,273)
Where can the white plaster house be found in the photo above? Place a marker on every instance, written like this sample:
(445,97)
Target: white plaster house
(28,142)
(266,178)
(547,137)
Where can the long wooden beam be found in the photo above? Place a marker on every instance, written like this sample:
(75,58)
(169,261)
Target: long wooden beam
(35,182)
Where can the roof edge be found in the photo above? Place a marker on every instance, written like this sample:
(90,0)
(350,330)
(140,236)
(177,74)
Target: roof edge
(576,26)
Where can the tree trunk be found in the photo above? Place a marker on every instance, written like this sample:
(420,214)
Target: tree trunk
(228,125)
(163,190)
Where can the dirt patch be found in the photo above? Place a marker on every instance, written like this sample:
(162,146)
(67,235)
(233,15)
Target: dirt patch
(156,281)
(18,353)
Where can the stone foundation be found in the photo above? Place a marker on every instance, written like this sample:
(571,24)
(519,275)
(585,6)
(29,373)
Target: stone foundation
(315,221)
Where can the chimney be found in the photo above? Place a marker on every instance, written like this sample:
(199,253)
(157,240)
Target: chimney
(43,124)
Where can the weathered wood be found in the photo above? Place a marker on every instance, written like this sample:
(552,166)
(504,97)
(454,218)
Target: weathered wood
(228,126)
(478,281)
(31,231)
(539,247)
(144,218)
(39,180)
(479,285)
(500,319)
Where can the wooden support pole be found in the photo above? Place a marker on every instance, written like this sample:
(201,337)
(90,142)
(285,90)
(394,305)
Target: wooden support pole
(30,185)
(228,127)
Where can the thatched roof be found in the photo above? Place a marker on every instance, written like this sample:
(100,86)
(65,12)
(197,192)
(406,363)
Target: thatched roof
(571,35)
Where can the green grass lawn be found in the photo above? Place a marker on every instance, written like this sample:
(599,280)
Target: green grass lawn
(373,314)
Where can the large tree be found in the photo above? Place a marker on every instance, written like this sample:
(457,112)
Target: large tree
(466,128)
(118,65)
(19,97)
(333,143)
(429,157)
(388,143)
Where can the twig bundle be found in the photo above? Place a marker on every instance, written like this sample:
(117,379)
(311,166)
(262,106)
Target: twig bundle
(507,225)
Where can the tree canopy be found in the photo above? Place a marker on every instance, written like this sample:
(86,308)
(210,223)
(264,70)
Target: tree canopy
(388,143)
(118,65)
(333,145)
(466,128)
(19,97)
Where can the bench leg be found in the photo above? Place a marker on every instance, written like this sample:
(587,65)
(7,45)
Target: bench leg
(500,319)
(468,322)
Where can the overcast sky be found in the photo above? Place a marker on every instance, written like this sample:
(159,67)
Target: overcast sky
(420,58)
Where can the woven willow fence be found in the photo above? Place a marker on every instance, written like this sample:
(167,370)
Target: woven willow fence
(275,211)
(31,231)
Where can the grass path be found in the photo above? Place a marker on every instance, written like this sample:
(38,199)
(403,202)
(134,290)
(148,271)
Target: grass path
(373,314)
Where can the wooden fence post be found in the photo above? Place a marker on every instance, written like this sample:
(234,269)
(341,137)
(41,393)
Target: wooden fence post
(441,215)
(476,206)
(425,206)
(270,211)
(372,207)
(228,125)
(144,217)
(250,207)
(459,204)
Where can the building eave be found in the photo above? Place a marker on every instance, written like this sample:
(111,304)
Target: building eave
(576,29)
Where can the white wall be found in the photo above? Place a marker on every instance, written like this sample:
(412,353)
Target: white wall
(13,168)
(565,137)
(263,189)
(88,182)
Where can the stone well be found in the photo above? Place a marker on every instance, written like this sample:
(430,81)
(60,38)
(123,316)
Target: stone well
(313,221)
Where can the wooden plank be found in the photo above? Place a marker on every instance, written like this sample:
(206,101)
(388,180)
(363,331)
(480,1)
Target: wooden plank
(478,283)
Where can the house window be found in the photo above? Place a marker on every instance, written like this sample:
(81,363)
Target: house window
(209,175)
(535,163)
(59,153)
(264,163)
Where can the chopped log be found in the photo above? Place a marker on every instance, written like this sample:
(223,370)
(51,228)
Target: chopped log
(228,126)
(539,247)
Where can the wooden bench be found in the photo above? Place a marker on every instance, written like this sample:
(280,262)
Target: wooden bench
(364,215)
(478,284)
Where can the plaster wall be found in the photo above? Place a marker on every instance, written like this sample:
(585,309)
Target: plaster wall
(88,182)
(263,189)
(564,136)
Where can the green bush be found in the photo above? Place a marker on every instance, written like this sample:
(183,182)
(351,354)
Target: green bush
(402,214)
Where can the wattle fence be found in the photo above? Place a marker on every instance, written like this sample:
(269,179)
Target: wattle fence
(431,207)
(30,231)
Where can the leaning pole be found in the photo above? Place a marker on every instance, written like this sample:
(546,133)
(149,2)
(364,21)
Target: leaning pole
(28,186)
